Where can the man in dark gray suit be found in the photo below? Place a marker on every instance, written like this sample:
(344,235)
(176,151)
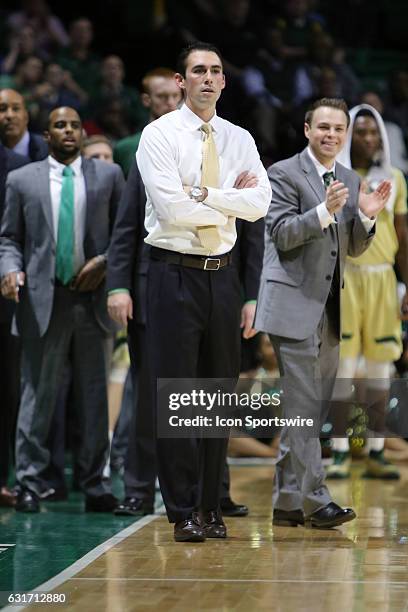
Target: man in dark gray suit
(317,216)
(13,127)
(9,351)
(54,239)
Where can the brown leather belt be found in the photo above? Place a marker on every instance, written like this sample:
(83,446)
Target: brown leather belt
(191,261)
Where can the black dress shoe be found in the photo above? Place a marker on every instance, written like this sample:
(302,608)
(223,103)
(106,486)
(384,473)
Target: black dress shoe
(288,518)
(329,516)
(133,506)
(100,503)
(27,501)
(189,530)
(230,508)
(213,525)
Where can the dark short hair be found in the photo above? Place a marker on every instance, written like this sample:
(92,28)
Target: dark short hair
(337,103)
(195,46)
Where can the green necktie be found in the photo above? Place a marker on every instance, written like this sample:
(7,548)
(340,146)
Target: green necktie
(64,266)
(328,178)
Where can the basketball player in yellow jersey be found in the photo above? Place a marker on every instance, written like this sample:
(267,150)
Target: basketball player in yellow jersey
(371,315)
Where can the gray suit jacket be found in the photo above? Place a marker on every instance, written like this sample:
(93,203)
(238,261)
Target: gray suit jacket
(300,257)
(27,239)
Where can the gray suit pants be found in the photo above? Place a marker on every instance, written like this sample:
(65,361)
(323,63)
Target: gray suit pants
(308,370)
(73,335)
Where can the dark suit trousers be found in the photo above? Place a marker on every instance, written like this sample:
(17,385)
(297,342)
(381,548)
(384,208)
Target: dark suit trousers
(134,437)
(9,395)
(140,462)
(73,335)
(193,331)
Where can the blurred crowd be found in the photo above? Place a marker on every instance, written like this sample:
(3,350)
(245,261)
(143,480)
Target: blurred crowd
(279,57)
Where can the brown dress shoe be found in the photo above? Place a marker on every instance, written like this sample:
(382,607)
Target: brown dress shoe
(189,530)
(7,498)
(213,525)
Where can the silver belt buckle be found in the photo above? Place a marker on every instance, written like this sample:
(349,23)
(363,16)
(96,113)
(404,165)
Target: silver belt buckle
(208,264)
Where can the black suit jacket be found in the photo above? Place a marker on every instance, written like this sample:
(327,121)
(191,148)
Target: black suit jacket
(128,257)
(8,161)
(37,148)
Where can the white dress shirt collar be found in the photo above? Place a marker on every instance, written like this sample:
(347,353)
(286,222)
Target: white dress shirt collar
(193,122)
(319,167)
(76,165)
(23,145)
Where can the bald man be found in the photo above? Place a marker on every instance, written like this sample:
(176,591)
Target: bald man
(53,243)
(13,127)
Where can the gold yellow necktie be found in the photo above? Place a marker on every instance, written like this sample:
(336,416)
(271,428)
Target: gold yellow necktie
(210,177)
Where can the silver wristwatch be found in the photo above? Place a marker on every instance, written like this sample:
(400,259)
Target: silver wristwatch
(197,194)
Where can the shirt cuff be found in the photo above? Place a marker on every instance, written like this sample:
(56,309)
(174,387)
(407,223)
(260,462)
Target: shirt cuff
(113,291)
(366,221)
(250,302)
(325,217)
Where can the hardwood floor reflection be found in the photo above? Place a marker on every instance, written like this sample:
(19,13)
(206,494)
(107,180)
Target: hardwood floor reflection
(361,565)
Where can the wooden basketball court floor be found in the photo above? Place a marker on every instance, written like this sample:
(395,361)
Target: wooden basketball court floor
(362,565)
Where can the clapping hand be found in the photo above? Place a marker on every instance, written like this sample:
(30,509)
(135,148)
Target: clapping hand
(371,204)
(336,197)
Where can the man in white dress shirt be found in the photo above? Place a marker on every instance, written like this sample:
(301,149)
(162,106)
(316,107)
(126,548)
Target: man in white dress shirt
(54,237)
(200,173)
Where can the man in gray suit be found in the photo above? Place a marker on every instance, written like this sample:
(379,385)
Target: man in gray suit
(317,216)
(54,238)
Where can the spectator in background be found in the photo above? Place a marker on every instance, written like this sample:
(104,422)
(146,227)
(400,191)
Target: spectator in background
(396,109)
(160,94)
(22,44)
(268,81)
(98,147)
(112,88)
(28,73)
(298,25)
(321,54)
(268,74)
(57,89)
(398,149)
(111,120)
(234,34)
(78,58)
(13,127)
(50,34)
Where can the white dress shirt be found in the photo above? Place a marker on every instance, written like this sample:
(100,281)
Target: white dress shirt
(170,156)
(23,145)
(325,217)
(56,170)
